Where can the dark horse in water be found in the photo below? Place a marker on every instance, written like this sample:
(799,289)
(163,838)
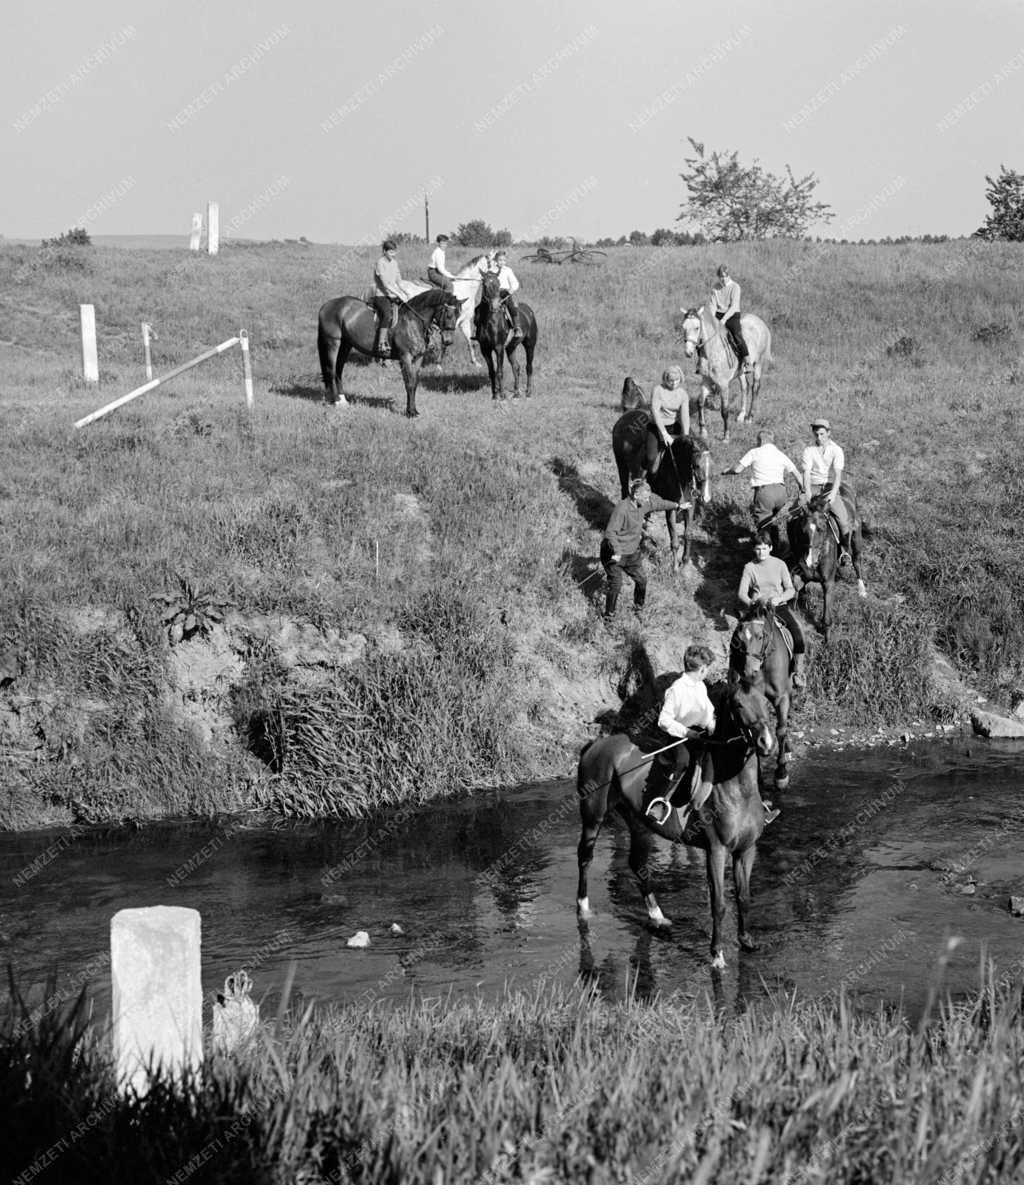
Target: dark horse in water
(612,775)
(758,654)
(346,323)
(814,554)
(493,336)
(683,475)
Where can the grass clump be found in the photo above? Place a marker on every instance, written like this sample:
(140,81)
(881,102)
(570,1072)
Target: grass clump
(554,1085)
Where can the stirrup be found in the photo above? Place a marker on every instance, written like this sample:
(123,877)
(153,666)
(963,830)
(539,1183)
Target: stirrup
(654,809)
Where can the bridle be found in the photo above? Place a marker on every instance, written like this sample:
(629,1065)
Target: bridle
(736,643)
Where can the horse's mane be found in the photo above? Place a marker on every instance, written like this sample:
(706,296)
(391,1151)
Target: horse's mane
(426,300)
(467,269)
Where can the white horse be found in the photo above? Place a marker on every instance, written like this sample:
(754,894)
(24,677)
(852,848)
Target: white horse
(705,337)
(467,286)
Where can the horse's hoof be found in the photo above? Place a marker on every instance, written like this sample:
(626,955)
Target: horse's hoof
(657,918)
(747,943)
(862,591)
(583,908)
(411,415)
(781,781)
(718,961)
(740,418)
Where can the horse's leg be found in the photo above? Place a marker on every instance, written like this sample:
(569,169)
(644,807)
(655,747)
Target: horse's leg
(725,415)
(673,538)
(513,361)
(492,373)
(826,590)
(742,863)
(744,412)
(640,846)
(716,889)
(410,375)
(702,399)
(344,349)
(755,387)
(528,351)
(465,324)
(785,757)
(855,546)
(499,370)
(592,816)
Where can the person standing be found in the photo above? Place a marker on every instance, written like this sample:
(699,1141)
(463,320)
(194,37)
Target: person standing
(389,295)
(687,715)
(768,468)
(824,462)
(620,545)
(670,416)
(724,302)
(767,584)
(437,271)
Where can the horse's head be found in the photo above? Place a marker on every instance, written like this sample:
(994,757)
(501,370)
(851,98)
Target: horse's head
(491,291)
(448,313)
(749,645)
(753,715)
(691,332)
(632,395)
(809,533)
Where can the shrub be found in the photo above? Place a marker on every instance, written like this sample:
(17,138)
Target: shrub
(76,237)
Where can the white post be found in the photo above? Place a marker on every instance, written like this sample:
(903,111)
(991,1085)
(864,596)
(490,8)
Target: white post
(212,228)
(197,232)
(243,338)
(157,993)
(147,330)
(90,359)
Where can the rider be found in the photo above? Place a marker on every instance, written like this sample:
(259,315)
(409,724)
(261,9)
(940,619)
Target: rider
(768,468)
(724,302)
(509,287)
(389,295)
(766,583)
(670,416)
(824,462)
(438,273)
(687,715)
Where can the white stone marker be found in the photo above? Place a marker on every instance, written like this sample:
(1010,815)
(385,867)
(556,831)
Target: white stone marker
(197,232)
(157,992)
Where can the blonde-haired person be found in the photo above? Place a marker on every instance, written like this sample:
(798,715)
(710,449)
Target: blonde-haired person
(670,416)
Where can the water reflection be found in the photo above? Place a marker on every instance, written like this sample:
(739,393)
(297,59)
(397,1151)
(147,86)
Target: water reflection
(856,885)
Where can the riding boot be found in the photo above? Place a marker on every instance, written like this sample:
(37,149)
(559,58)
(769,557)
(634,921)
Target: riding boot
(611,601)
(799,672)
(382,347)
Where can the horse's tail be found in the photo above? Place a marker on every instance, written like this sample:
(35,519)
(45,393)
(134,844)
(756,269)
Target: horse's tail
(767,356)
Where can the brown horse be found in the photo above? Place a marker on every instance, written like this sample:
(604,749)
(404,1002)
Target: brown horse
(612,775)
(814,550)
(706,339)
(346,323)
(684,475)
(758,654)
(493,337)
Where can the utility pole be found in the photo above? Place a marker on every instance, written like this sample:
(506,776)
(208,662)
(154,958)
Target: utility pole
(426,214)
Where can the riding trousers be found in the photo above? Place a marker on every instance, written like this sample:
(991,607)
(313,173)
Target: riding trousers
(735,331)
(632,565)
(767,499)
(439,279)
(387,310)
(654,448)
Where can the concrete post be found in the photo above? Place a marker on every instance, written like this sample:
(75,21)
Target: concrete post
(90,358)
(157,993)
(197,232)
(212,228)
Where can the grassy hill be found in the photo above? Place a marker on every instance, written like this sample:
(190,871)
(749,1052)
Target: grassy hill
(409,608)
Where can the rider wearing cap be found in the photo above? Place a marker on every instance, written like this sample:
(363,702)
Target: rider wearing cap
(389,294)
(437,272)
(824,462)
(670,416)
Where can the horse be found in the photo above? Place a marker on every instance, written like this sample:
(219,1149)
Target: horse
(612,774)
(466,286)
(493,337)
(684,475)
(633,395)
(758,654)
(346,323)
(814,549)
(706,338)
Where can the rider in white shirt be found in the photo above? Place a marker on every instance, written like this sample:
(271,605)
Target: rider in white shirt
(509,287)
(437,271)
(824,462)
(768,468)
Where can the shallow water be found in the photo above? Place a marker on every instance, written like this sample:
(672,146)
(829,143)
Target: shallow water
(852,887)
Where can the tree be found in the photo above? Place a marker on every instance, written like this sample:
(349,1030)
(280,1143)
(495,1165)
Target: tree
(1006,197)
(477,233)
(731,201)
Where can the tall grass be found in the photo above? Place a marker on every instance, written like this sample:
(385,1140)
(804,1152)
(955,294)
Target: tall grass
(358,521)
(555,1085)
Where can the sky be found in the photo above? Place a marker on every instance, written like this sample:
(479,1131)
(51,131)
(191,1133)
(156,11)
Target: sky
(333,121)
